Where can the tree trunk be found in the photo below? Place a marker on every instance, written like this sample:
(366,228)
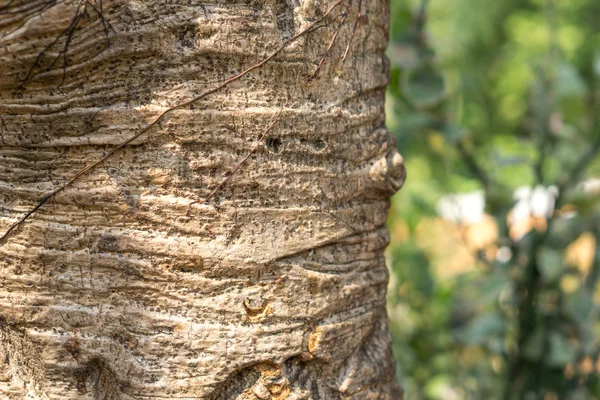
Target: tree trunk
(159,274)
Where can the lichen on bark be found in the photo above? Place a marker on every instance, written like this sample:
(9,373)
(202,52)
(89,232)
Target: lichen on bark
(127,284)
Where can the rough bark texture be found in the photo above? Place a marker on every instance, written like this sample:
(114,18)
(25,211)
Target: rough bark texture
(127,285)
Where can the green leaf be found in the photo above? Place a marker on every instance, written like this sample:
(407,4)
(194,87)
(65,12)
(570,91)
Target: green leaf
(550,263)
(424,86)
(562,351)
(438,386)
(411,123)
(568,82)
(578,305)
(483,328)
(454,133)
(597,64)
(491,289)
(404,54)
(534,347)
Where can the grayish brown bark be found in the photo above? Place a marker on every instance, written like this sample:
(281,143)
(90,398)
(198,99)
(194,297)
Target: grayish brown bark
(127,284)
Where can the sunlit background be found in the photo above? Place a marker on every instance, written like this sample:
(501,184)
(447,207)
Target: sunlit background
(495,255)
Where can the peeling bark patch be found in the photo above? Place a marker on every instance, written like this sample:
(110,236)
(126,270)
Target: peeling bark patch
(256,306)
(263,380)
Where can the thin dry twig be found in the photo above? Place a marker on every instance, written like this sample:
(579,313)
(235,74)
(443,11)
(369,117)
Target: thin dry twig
(81,12)
(38,10)
(7,5)
(162,116)
(331,43)
(268,129)
(19,9)
(105,22)
(67,33)
(358,19)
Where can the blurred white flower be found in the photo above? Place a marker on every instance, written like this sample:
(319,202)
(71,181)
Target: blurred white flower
(532,209)
(538,202)
(466,208)
(504,254)
(591,186)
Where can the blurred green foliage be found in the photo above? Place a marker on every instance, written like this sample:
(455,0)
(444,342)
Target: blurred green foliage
(496,95)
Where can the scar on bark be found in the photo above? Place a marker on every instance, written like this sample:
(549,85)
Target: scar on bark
(81,12)
(162,116)
(262,379)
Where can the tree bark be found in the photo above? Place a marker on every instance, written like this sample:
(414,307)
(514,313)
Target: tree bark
(158,274)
